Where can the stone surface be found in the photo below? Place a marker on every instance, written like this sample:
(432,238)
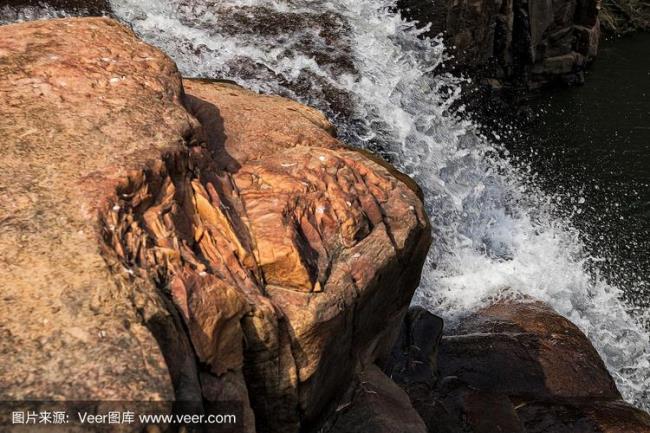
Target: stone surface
(269,261)
(523,364)
(77,103)
(525,350)
(332,248)
(521,43)
(376,405)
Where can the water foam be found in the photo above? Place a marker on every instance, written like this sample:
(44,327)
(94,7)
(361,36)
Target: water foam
(495,234)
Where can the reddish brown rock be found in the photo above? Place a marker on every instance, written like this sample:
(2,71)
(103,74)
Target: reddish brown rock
(78,99)
(289,257)
(331,251)
(525,350)
(515,367)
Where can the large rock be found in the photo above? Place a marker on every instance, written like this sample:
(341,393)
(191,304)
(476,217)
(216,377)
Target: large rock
(525,350)
(82,103)
(526,43)
(269,261)
(523,364)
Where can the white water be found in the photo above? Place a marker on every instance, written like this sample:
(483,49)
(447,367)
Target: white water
(494,234)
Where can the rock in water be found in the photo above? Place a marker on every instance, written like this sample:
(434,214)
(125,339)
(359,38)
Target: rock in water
(529,368)
(376,405)
(129,201)
(533,43)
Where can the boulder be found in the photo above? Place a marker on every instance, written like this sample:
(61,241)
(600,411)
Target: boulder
(525,350)
(526,366)
(227,236)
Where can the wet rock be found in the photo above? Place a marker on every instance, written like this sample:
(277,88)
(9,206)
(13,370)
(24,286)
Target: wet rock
(583,417)
(413,360)
(521,43)
(321,40)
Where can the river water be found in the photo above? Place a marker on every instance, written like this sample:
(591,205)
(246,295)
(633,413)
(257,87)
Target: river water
(590,149)
(498,229)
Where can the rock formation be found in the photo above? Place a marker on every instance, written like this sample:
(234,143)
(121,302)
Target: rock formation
(527,367)
(524,43)
(198,242)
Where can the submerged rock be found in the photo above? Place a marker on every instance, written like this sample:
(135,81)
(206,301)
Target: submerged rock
(319,41)
(270,262)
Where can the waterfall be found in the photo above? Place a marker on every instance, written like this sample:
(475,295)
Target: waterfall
(495,234)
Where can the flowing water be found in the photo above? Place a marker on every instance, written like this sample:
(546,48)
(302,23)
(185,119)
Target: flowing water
(495,233)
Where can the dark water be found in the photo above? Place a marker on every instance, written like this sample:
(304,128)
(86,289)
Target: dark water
(590,147)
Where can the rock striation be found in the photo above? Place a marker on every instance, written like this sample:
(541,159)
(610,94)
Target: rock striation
(524,43)
(192,241)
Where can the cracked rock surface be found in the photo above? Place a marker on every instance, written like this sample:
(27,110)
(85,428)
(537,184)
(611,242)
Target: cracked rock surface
(164,239)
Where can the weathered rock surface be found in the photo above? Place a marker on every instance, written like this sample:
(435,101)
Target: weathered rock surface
(525,350)
(269,261)
(77,103)
(529,368)
(522,42)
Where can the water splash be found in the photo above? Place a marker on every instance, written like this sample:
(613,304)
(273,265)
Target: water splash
(494,233)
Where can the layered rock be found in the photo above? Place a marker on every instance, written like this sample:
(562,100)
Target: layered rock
(532,370)
(515,42)
(269,261)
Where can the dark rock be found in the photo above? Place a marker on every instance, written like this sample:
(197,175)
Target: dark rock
(514,40)
(413,358)
(525,350)
(583,417)
(75,7)
(514,367)
(376,405)
(323,37)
